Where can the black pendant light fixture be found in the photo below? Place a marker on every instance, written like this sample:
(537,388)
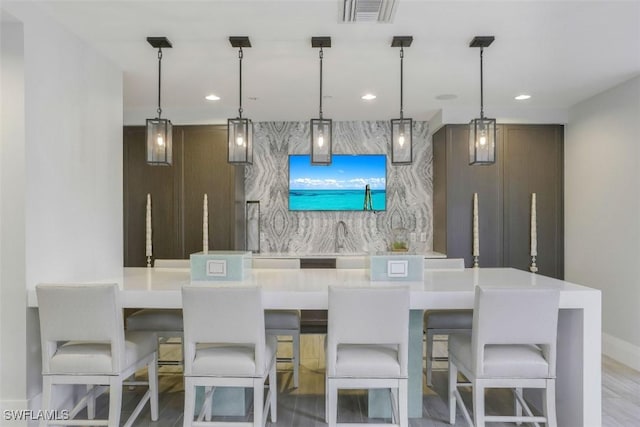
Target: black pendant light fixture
(321,137)
(401,129)
(240,129)
(159,130)
(482,131)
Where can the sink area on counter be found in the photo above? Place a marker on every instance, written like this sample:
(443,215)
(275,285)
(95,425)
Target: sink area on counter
(329,259)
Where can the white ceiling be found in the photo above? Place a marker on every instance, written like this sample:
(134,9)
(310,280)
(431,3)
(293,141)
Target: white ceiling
(559,52)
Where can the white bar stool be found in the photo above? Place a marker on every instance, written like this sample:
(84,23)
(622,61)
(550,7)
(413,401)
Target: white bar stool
(226,346)
(513,345)
(284,322)
(368,346)
(166,323)
(83,342)
(443,322)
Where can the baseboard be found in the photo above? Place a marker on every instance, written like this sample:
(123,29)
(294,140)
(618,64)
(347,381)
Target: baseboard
(622,351)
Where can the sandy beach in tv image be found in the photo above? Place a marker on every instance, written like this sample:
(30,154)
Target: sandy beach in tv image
(350,183)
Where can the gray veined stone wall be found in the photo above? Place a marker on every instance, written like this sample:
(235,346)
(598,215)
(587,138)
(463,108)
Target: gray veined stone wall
(409,190)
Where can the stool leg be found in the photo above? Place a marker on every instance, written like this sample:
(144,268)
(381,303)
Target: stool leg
(115,401)
(518,407)
(152,369)
(429,356)
(91,404)
(550,404)
(333,404)
(258,405)
(296,358)
(273,390)
(478,404)
(189,402)
(403,403)
(47,385)
(453,380)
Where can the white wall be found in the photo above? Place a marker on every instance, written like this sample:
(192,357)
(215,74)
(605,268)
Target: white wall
(12,221)
(602,211)
(73,169)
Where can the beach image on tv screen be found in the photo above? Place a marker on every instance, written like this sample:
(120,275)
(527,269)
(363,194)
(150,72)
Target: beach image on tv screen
(349,183)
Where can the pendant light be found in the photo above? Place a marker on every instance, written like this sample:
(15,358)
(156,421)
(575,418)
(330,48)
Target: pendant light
(159,131)
(321,128)
(482,131)
(401,129)
(240,129)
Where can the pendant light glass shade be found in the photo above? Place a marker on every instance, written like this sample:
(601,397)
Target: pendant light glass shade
(321,141)
(482,131)
(321,128)
(240,144)
(482,141)
(240,129)
(159,142)
(402,128)
(401,141)
(159,131)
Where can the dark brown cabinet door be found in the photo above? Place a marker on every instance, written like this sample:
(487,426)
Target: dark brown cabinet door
(205,170)
(529,160)
(454,183)
(534,164)
(199,167)
(139,180)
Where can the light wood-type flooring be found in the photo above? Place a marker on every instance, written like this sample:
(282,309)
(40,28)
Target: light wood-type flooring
(304,406)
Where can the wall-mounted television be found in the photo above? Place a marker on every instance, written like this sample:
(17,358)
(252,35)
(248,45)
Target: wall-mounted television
(349,183)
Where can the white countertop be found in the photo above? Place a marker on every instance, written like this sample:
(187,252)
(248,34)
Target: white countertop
(307,288)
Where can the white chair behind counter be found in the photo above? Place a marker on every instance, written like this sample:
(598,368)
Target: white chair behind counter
(443,322)
(83,342)
(283,322)
(368,346)
(513,345)
(225,345)
(166,323)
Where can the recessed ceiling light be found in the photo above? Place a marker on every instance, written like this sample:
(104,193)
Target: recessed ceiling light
(368,97)
(522,97)
(446,97)
(212,97)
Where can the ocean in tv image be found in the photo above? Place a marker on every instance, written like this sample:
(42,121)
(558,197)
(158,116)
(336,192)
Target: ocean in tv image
(350,183)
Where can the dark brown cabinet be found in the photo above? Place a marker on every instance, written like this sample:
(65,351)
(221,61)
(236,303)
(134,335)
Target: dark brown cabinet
(529,160)
(199,166)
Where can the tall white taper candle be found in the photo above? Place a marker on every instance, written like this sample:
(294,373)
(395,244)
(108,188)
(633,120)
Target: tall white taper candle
(476,233)
(534,227)
(205,225)
(148,246)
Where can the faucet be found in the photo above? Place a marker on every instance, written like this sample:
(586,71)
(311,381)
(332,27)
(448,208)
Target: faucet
(345,234)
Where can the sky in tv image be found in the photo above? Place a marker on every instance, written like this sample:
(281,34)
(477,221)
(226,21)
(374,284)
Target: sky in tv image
(339,186)
(345,172)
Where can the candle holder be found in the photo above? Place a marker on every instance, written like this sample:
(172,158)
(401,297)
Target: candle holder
(148,261)
(475,261)
(533,268)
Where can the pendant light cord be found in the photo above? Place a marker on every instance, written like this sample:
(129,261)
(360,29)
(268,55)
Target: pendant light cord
(321,56)
(401,81)
(240,55)
(159,80)
(481,86)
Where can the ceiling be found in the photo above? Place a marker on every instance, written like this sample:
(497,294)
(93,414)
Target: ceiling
(559,52)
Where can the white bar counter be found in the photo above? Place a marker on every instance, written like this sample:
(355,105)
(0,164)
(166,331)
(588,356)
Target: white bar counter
(579,326)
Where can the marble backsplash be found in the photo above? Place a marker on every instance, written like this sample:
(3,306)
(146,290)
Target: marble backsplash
(409,190)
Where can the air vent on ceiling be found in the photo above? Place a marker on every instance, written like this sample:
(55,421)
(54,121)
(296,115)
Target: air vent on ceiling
(368,10)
